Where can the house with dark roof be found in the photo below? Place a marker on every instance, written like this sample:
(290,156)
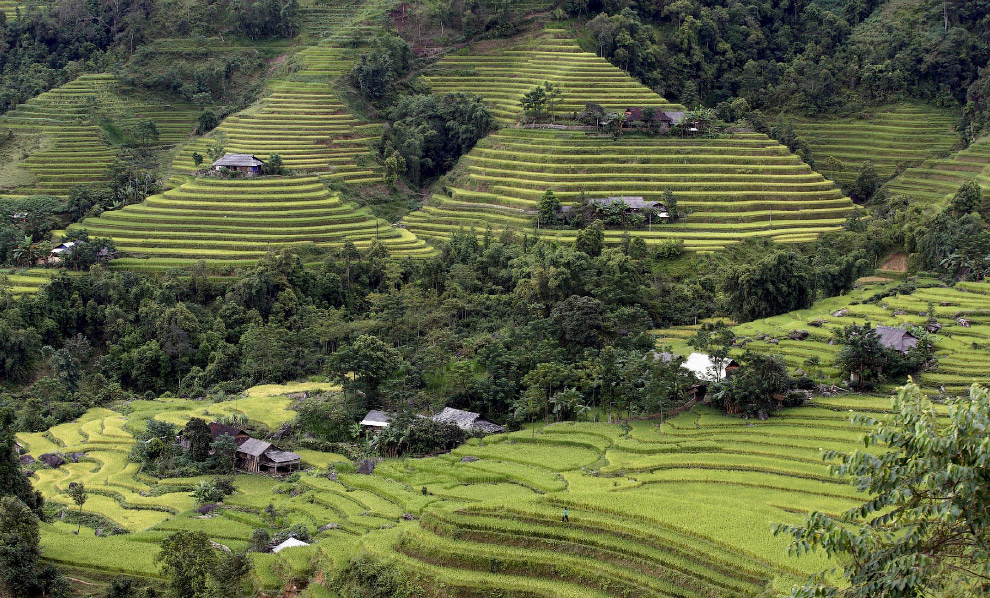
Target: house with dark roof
(218,430)
(246,164)
(467,421)
(259,456)
(897,339)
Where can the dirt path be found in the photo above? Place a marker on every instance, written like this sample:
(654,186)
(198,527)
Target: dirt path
(896,262)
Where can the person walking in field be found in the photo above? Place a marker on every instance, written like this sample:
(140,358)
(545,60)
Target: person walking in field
(565,518)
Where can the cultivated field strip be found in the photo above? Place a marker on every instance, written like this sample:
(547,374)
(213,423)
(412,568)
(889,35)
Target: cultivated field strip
(10,7)
(340,23)
(74,151)
(960,350)
(307,125)
(936,179)
(25,281)
(892,136)
(502,75)
(735,187)
(234,222)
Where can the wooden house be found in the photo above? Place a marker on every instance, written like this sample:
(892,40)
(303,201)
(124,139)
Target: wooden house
(245,164)
(897,339)
(258,456)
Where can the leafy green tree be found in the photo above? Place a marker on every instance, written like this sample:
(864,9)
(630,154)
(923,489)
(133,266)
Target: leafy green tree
(756,389)
(208,121)
(223,451)
(780,282)
(431,132)
(580,321)
(867,182)
(395,165)
(187,560)
(77,492)
(227,580)
(217,149)
(534,103)
(146,132)
(275,166)
(549,207)
(266,353)
(376,71)
(22,575)
(670,203)
(197,159)
(714,339)
(591,240)
(197,433)
(13,482)
(370,360)
(925,524)
(967,199)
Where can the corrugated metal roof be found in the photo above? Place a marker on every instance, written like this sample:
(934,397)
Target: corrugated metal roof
(282,456)
(254,447)
(897,339)
(462,419)
(290,543)
(376,418)
(238,160)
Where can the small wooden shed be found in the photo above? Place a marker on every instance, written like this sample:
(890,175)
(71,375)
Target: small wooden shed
(249,454)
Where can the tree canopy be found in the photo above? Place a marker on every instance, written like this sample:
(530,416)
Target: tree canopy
(924,527)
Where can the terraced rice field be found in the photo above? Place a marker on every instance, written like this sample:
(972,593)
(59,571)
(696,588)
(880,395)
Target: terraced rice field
(642,519)
(10,7)
(234,222)
(306,124)
(962,358)
(733,186)
(937,179)
(891,136)
(67,118)
(338,23)
(25,281)
(502,75)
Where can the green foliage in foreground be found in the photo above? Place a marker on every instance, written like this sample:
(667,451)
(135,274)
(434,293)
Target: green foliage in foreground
(926,527)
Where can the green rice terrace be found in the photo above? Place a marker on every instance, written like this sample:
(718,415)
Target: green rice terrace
(334,30)
(501,75)
(890,136)
(304,123)
(963,311)
(25,281)
(487,516)
(937,179)
(233,222)
(736,187)
(70,146)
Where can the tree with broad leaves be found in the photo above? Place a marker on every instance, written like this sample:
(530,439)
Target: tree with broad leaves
(77,492)
(925,528)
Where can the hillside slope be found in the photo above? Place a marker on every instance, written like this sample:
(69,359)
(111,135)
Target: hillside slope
(487,516)
(736,187)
